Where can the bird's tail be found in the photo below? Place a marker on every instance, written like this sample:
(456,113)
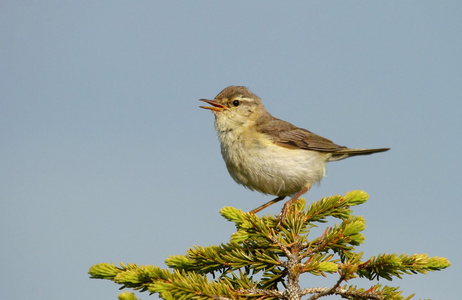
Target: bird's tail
(347,152)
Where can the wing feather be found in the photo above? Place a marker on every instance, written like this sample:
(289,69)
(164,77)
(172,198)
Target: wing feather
(290,136)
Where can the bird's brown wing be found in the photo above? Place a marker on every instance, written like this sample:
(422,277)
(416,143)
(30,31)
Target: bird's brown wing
(290,136)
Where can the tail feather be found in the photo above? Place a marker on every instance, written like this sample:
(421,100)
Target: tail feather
(347,152)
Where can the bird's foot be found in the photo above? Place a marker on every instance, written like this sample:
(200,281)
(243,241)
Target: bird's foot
(285,209)
(282,215)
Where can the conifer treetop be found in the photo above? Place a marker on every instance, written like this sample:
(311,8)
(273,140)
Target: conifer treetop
(265,261)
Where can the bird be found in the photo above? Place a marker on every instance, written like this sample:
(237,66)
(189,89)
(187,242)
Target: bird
(269,155)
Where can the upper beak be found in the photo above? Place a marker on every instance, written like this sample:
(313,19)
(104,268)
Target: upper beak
(215,105)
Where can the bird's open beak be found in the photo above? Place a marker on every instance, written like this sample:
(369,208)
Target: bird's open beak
(215,105)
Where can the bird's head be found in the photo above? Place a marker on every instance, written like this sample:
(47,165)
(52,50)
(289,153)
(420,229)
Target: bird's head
(236,107)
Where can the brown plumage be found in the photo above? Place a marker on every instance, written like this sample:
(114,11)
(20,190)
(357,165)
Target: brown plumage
(287,135)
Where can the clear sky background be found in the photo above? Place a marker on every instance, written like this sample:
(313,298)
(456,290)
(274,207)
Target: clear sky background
(105,155)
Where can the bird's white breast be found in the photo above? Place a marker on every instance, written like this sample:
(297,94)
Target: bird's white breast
(254,161)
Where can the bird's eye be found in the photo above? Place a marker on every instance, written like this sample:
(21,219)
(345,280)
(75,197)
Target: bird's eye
(236,102)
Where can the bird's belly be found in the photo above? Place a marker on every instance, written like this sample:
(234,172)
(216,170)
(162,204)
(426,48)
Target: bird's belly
(272,169)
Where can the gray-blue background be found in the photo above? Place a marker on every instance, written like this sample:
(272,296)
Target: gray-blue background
(105,155)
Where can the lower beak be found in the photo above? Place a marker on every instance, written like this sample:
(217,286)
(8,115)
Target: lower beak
(215,105)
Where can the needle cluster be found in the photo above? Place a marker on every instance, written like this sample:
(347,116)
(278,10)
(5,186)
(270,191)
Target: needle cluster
(265,260)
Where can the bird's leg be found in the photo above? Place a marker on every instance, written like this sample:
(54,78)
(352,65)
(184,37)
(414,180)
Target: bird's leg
(285,208)
(267,204)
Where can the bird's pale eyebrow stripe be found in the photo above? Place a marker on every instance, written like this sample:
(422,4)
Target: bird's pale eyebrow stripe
(249,100)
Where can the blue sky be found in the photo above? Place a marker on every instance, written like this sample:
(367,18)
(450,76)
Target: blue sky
(105,155)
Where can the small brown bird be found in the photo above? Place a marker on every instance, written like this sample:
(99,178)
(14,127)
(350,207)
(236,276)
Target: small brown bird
(270,155)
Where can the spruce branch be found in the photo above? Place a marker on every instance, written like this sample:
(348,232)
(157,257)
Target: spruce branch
(388,265)
(265,261)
